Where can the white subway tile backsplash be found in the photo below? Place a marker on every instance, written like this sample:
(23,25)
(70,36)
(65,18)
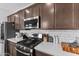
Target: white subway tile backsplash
(64,35)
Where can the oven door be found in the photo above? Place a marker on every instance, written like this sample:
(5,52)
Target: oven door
(21,53)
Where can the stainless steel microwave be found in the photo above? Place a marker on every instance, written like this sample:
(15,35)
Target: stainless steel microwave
(32,22)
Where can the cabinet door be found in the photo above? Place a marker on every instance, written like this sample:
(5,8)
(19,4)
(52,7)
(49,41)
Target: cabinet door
(28,12)
(8,19)
(47,16)
(11,48)
(12,18)
(14,49)
(21,18)
(35,10)
(17,21)
(64,16)
(76,15)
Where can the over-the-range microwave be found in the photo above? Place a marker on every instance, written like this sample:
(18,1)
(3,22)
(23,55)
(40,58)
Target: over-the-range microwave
(32,22)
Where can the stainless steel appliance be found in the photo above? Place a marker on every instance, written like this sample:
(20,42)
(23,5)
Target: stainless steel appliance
(26,46)
(9,30)
(2,31)
(32,22)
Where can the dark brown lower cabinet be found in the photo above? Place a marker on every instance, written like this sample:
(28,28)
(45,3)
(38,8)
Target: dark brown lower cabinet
(11,48)
(39,53)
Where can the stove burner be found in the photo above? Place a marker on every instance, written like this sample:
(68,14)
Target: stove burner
(30,43)
(27,46)
(27,42)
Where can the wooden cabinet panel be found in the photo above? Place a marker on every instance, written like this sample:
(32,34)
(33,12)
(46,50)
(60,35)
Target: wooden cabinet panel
(14,53)
(8,18)
(64,16)
(17,21)
(12,18)
(35,10)
(39,53)
(76,15)
(21,19)
(31,11)
(28,12)
(11,48)
(18,18)
(47,16)
(52,16)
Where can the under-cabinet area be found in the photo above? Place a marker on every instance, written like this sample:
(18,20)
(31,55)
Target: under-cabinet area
(41,29)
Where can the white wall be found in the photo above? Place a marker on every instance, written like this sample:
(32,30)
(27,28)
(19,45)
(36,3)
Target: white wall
(10,8)
(0,31)
(64,35)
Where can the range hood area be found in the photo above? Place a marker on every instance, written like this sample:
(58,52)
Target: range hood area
(32,22)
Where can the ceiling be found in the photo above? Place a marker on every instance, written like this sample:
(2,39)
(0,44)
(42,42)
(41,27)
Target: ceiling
(9,8)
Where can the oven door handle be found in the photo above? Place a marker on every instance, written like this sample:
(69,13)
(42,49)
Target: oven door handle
(28,54)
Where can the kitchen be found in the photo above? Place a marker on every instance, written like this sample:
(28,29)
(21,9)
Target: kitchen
(43,29)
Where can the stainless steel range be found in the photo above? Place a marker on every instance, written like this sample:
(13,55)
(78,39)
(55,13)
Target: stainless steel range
(26,46)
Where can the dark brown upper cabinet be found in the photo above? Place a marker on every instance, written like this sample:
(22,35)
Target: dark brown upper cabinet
(64,16)
(47,16)
(11,18)
(21,19)
(31,11)
(36,10)
(28,12)
(52,15)
(76,15)
(17,21)
(8,19)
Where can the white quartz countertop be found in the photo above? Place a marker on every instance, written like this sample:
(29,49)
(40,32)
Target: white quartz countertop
(15,40)
(53,49)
